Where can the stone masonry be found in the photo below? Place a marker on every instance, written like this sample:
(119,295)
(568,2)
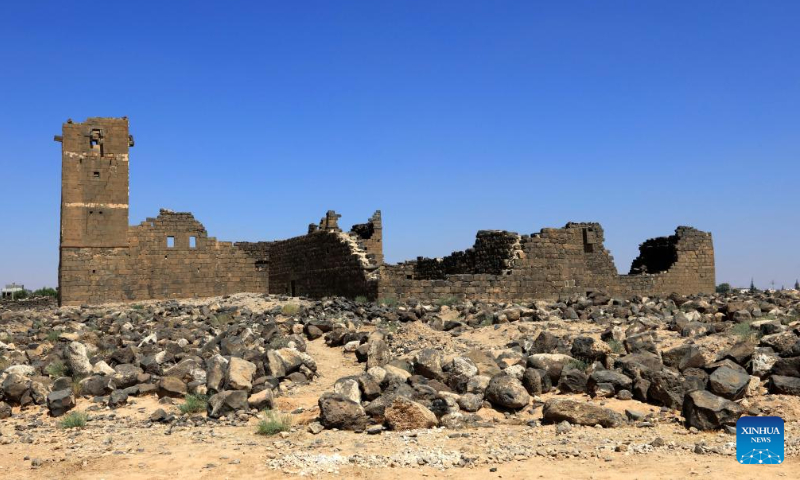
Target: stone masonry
(103,259)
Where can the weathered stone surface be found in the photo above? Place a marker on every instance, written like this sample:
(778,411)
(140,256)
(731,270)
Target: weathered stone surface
(616,379)
(683,357)
(506,392)
(15,386)
(239,374)
(706,411)
(404,414)
(337,411)
(171,387)
(580,413)
(348,388)
(784,385)
(261,400)
(60,402)
(728,383)
(428,363)
(227,401)
(590,349)
(78,359)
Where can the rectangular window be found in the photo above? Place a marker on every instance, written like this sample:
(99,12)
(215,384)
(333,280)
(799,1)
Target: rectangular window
(192,242)
(96,174)
(170,242)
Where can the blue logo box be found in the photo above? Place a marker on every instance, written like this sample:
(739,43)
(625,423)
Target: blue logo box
(759,440)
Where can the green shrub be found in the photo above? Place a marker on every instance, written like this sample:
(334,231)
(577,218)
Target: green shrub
(390,302)
(56,369)
(73,420)
(487,318)
(576,364)
(76,385)
(290,309)
(52,336)
(447,301)
(137,307)
(194,404)
(745,331)
(274,422)
(616,346)
(361,299)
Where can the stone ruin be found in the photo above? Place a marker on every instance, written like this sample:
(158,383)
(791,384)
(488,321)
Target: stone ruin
(104,259)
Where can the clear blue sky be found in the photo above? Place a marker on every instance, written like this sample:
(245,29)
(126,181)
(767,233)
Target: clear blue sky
(450,116)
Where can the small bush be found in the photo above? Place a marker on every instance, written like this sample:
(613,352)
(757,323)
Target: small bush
(576,364)
(361,299)
(390,302)
(76,385)
(194,404)
(73,420)
(290,309)
(616,347)
(392,326)
(274,422)
(724,288)
(56,369)
(447,301)
(137,307)
(52,336)
(487,318)
(278,342)
(745,331)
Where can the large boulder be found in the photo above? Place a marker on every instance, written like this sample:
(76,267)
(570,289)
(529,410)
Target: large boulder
(589,349)
(618,380)
(787,367)
(728,383)
(349,388)
(506,392)
(532,381)
(78,359)
(552,363)
(667,388)
(784,385)
(572,380)
(216,367)
(225,402)
(60,402)
(337,411)
(683,357)
(404,414)
(580,413)
(428,363)
(378,354)
(261,400)
(14,387)
(239,374)
(705,411)
(172,387)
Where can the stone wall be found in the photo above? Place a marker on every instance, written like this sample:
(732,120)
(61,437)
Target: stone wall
(327,261)
(551,263)
(102,259)
(149,268)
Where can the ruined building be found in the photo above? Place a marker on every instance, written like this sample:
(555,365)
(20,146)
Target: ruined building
(104,259)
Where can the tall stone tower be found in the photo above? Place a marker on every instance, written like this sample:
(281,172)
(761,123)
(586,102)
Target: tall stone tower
(94,184)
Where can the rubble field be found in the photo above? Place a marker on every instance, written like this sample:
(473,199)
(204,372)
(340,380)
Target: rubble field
(252,385)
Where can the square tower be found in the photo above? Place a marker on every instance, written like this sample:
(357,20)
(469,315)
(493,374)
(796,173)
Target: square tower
(94,183)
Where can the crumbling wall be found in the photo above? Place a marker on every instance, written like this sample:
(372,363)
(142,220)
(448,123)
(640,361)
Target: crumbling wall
(170,256)
(553,262)
(327,261)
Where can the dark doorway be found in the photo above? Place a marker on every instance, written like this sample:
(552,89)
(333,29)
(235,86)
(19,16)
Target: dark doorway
(293,289)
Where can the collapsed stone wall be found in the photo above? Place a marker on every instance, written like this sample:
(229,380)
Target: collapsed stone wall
(551,263)
(170,256)
(327,261)
(103,259)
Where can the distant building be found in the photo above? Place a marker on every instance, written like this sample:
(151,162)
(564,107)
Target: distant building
(11,291)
